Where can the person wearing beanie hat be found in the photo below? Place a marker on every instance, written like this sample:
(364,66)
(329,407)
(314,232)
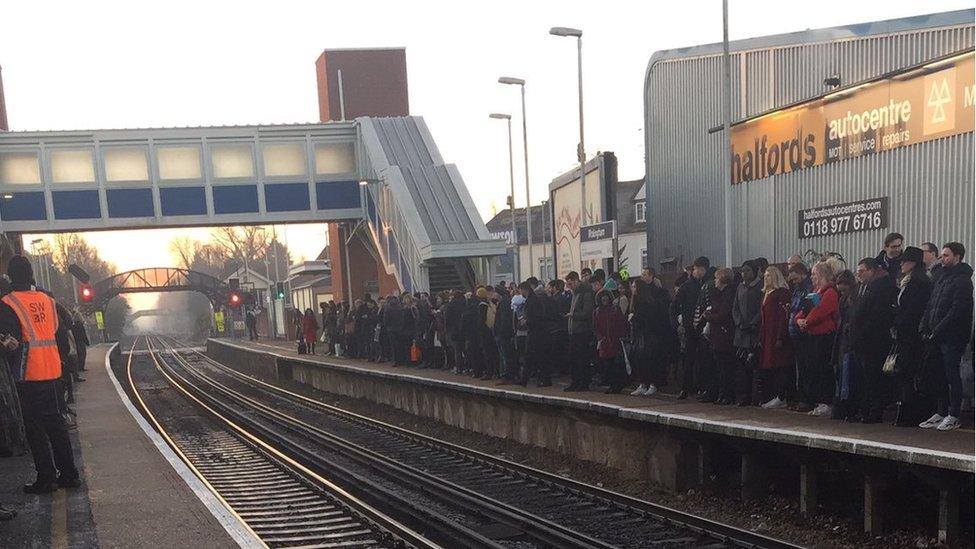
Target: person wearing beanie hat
(31,345)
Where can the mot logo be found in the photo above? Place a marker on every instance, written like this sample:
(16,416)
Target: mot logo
(940,107)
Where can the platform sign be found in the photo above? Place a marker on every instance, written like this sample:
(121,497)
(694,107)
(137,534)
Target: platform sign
(596,241)
(219,319)
(100,320)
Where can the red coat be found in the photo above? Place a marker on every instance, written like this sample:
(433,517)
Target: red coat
(823,318)
(610,327)
(774,336)
(309,327)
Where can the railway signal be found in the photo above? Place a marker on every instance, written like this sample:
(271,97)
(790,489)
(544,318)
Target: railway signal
(234,298)
(280,290)
(87,293)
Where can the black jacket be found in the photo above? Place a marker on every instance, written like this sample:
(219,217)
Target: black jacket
(873,316)
(536,317)
(685,301)
(472,322)
(504,328)
(949,314)
(910,302)
(453,316)
(893,266)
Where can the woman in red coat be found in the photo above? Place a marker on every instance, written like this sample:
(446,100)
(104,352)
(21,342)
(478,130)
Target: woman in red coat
(776,351)
(310,328)
(610,327)
(819,319)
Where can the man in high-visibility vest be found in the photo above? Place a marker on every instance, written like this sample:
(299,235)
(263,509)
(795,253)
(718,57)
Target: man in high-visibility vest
(29,328)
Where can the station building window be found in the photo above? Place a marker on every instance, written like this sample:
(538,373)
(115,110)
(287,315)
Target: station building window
(640,212)
(334,158)
(72,166)
(232,161)
(126,164)
(283,160)
(20,168)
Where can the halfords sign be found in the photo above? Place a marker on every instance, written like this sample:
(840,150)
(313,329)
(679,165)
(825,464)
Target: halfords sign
(929,102)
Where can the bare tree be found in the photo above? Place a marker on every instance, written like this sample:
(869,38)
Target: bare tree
(184,250)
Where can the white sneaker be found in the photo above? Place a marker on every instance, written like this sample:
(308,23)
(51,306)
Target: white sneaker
(651,389)
(931,422)
(949,423)
(639,391)
(774,403)
(820,411)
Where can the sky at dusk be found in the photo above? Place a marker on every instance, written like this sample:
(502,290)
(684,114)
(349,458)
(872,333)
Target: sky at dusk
(128,64)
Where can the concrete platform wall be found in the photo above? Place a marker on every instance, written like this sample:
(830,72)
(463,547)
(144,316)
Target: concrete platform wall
(637,449)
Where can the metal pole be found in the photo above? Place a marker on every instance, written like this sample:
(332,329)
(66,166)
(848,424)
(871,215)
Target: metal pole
(342,98)
(274,300)
(516,268)
(528,200)
(581,153)
(727,112)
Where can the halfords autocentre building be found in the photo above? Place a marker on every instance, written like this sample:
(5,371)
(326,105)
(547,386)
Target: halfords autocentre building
(839,136)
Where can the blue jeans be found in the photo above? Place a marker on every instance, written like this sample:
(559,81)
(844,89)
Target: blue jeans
(951,399)
(505,357)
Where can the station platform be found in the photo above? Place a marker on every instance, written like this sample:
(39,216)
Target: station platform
(953,450)
(131,495)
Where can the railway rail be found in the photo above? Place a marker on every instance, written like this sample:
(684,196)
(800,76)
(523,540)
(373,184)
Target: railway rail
(524,505)
(281,503)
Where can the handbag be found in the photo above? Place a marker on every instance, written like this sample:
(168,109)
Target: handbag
(415,352)
(891,366)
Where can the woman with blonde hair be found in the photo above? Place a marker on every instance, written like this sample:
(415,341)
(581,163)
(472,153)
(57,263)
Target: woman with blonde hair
(819,318)
(772,376)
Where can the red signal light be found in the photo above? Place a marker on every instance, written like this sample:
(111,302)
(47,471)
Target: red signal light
(87,293)
(234,298)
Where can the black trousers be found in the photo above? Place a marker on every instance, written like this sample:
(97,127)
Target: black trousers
(252,332)
(537,359)
(872,384)
(689,357)
(82,357)
(581,347)
(46,432)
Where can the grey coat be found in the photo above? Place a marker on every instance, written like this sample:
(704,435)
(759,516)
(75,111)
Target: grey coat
(581,309)
(745,314)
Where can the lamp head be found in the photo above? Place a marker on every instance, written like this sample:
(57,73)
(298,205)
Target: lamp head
(500,116)
(566,31)
(511,80)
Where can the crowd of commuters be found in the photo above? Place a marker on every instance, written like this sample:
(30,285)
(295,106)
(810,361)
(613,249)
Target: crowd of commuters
(43,346)
(818,339)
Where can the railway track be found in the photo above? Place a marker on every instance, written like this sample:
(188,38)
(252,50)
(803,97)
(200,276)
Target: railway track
(526,504)
(278,502)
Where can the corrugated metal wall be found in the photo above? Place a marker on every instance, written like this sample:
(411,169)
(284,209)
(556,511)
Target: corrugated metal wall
(930,184)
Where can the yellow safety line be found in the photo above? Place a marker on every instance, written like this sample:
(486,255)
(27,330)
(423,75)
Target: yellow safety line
(173,444)
(285,458)
(59,521)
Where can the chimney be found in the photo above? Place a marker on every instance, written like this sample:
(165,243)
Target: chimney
(3,106)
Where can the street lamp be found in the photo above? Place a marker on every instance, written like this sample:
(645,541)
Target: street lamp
(580,151)
(525,142)
(511,177)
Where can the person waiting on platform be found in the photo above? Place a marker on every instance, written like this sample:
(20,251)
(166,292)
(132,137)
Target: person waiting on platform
(914,289)
(745,315)
(871,336)
(310,329)
(817,319)
(771,378)
(28,327)
(719,334)
(251,320)
(610,328)
(946,327)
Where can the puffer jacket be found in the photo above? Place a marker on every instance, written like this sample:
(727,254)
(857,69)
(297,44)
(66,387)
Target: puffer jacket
(948,317)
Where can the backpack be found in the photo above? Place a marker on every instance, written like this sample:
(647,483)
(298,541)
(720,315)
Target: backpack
(490,315)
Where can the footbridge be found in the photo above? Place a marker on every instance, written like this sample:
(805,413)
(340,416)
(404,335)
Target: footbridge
(383,179)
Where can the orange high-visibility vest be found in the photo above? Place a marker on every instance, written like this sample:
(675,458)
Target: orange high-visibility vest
(38,317)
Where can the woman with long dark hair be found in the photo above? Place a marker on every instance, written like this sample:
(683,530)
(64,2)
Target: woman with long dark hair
(652,335)
(310,329)
(914,289)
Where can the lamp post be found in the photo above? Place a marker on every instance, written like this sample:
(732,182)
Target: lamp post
(525,142)
(581,150)
(511,177)
(727,119)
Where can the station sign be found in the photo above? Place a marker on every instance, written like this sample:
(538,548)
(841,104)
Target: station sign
(919,104)
(596,241)
(851,217)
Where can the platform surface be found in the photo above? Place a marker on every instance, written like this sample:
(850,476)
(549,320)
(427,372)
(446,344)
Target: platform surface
(131,496)
(953,450)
